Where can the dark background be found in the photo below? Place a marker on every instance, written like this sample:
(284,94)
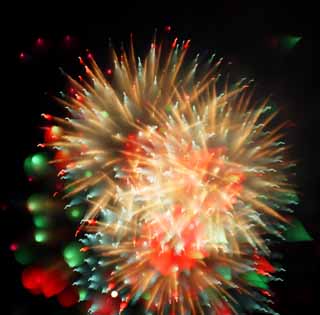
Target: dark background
(245,34)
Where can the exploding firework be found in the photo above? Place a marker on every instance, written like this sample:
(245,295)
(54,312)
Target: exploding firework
(185,181)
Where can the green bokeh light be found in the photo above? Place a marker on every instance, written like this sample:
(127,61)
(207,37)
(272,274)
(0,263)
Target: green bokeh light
(36,202)
(56,130)
(88,173)
(36,164)
(75,213)
(41,221)
(289,42)
(168,108)
(39,203)
(24,255)
(146,296)
(41,236)
(105,114)
(72,254)
(82,294)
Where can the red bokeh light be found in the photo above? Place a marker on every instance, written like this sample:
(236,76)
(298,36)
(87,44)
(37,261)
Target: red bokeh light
(55,282)
(68,297)
(40,280)
(62,158)
(40,41)
(107,306)
(52,134)
(14,247)
(32,278)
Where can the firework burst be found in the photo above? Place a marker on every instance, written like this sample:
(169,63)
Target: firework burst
(184,185)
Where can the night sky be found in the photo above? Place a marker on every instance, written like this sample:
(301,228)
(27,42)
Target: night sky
(247,36)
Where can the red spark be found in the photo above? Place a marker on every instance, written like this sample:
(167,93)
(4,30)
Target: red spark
(47,116)
(186,45)
(175,42)
(84,249)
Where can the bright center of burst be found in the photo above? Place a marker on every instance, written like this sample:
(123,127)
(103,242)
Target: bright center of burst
(184,193)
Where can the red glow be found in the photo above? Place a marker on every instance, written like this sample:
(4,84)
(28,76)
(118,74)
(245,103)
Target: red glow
(68,297)
(14,247)
(67,38)
(22,55)
(167,28)
(90,56)
(62,158)
(52,134)
(109,71)
(40,41)
(32,278)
